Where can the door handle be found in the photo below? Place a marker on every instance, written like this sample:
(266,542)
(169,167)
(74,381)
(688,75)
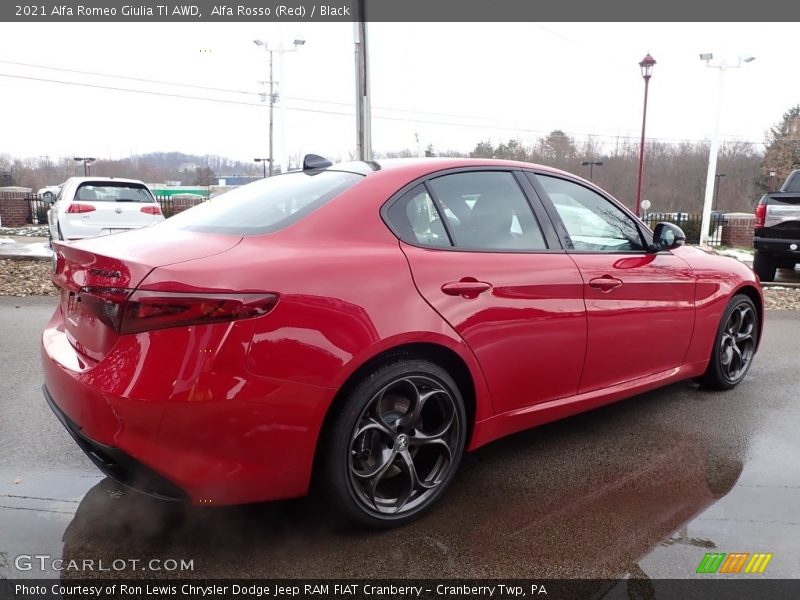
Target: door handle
(606,283)
(468,287)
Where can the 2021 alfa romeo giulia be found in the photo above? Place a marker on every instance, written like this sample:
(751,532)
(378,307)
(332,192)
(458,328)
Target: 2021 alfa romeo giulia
(362,325)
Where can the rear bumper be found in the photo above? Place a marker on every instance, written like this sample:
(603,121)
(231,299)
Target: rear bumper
(778,247)
(161,415)
(116,464)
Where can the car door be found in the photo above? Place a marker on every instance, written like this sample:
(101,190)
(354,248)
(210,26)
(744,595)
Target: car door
(639,304)
(480,258)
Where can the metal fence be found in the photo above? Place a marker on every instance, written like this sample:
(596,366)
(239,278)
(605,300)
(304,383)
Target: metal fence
(38,210)
(170,205)
(691,225)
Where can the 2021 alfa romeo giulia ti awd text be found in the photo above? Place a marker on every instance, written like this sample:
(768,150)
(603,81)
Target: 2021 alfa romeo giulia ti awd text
(363,325)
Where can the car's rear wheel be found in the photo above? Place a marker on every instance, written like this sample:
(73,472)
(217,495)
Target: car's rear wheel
(393,447)
(734,346)
(764,266)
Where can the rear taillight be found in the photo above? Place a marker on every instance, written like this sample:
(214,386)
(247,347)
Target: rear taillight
(76,207)
(131,311)
(102,303)
(151,210)
(761,215)
(156,310)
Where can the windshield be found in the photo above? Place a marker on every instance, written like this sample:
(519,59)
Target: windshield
(265,206)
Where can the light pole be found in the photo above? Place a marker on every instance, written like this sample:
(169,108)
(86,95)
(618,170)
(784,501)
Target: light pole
(714,150)
(647,64)
(273,95)
(264,162)
(87,164)
(718,176)
(363,102)
(772,180)
(592,164)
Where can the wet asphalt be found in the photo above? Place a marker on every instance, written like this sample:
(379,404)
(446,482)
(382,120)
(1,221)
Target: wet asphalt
(644,487)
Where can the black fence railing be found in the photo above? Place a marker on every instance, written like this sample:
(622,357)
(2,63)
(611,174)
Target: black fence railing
(170,205)
(38,210)
(691,225)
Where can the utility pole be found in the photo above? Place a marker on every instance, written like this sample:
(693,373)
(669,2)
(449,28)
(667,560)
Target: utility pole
(87,164)
(363,108)
(273,96)
(714,149)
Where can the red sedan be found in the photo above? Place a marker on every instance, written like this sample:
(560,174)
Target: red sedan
(362,325)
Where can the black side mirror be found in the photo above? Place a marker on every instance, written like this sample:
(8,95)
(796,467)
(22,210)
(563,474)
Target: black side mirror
(667,236)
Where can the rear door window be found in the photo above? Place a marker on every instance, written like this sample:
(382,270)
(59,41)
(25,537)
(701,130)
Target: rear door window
(487,210)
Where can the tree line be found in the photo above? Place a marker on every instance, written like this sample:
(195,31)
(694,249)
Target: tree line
(674,174)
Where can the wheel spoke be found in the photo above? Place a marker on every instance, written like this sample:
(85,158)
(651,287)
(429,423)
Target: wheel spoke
(411,418)
(421,438)
(736,359)
(378,471)
(372,425)
(411,469)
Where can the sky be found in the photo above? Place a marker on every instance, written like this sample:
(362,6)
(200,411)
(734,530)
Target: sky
(445,84)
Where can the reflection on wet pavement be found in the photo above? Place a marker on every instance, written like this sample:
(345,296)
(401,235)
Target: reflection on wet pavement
(642,488)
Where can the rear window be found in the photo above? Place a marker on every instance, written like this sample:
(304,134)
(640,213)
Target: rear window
(265,206)
(113,192)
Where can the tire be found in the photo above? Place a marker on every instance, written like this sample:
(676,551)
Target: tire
(384,462)
(764,266)
(734,345)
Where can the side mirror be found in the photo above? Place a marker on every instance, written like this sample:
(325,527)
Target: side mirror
(667,236)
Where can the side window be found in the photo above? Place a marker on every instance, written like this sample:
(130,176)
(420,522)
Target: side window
(593,223)
(487,210)
(415,218)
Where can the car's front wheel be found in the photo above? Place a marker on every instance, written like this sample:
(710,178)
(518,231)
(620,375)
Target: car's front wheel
(394,445)
(734,346)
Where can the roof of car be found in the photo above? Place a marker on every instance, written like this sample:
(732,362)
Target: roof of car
(423,166)
(105,180)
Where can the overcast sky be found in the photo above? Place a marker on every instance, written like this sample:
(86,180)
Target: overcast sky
(450,84)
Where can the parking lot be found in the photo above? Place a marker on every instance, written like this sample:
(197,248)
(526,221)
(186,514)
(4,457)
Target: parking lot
(645,487)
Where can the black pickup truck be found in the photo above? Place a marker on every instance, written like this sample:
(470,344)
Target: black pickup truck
(777,229)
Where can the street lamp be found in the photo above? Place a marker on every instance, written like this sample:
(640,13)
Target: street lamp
(714,150)
(647,64)
(592,164)
(716,197)
(87,164)
(264,162)
(273,95)
(772,180)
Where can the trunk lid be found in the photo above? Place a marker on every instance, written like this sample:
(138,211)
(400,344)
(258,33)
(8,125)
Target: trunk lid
(96,275)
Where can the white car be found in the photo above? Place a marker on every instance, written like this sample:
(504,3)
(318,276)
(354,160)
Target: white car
(49,193)
(94,206)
